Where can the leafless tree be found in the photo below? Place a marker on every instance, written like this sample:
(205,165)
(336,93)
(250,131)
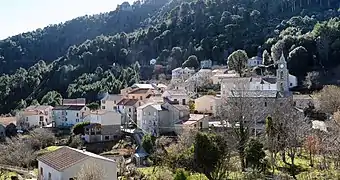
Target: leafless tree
(91,171)
(17,152)
(44,136)
(329,99)
(240,110)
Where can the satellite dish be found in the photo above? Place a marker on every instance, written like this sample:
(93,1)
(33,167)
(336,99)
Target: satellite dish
(153,61)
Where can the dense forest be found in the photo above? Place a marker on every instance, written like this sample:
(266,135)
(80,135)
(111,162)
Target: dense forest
(106,52)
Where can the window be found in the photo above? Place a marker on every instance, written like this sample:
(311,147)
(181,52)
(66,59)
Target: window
(115,101)
(103,102)
(133,97)
(41,118)
(281,75)
(78,114)
(211,108)
(65,119)
(183,101)
(103,107)
(201,125)
(107,137)
(26,118)
(149,113)
(129,109)
(141,97)
(291,84)
(265,104)
(77,120)
(49,176)
(41,171)
(175,99)
(154,113)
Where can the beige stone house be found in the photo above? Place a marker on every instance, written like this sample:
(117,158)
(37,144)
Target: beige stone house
(35,116)
(66,163)
(195,122)
(109,102)
(207,104)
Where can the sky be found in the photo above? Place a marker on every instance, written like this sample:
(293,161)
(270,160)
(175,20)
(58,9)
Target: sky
(18,16)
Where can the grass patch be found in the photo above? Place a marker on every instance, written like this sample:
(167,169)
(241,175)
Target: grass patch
(8,175)
(153,173)
(52,148)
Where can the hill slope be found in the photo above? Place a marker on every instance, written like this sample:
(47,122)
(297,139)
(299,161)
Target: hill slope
(207,29)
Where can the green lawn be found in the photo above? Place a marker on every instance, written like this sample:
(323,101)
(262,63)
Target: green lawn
(52,148)
(7,175)
(153,173)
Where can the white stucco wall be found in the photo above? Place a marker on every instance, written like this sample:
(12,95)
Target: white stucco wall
(55,175)
(108,168)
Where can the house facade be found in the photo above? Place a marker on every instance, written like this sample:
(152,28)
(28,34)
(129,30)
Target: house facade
(152,118)
(35,116)
(254,61)
(65,163)
(207,104)
(105,126)
(69,115)
(181,74)
(128,107)
(109,102)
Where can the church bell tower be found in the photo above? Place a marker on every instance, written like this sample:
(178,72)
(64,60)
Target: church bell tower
(282,75)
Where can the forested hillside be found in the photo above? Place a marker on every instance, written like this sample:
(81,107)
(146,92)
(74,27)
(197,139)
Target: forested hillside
(87,62)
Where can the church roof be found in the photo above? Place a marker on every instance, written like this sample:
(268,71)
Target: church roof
(254,93)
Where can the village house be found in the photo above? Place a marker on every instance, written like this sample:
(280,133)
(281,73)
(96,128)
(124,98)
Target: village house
(195,122)
(177,112)
(254,61)
(206,64)
(302,101)
(207,104)
(128,107)
(181,74)
(69,115)
(179,95)
(35,116)
(104,126)
(152,118)
(140,94)
(219,74)
(66,163)
(109,102)
(160,118)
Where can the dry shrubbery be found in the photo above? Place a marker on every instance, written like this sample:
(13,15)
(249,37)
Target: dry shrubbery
(23,150)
